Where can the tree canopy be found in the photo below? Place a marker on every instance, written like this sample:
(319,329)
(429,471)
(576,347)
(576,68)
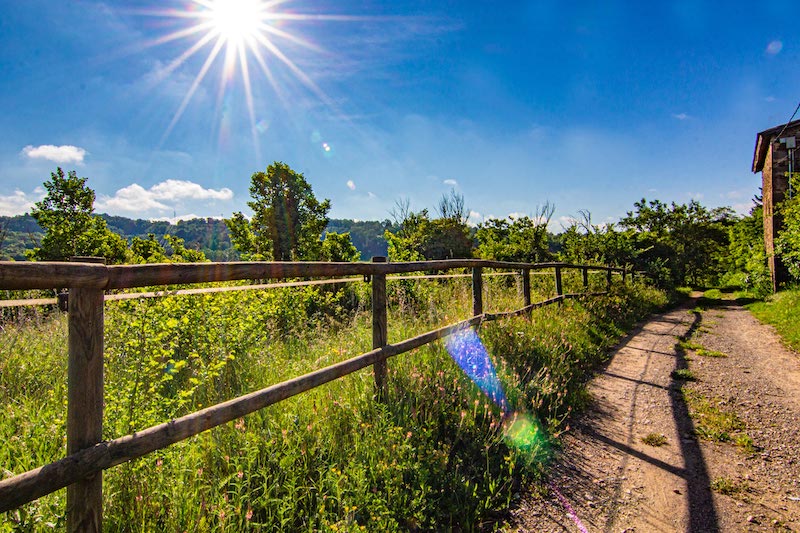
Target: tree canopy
(71,228)
(287,221)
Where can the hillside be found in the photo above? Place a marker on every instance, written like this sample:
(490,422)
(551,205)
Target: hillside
(21,233)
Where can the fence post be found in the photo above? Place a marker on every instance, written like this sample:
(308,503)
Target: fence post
(559,288)
(85,401)
(526,286)
(624,275)
(379,328)
(477,291)
(585,277)
(608,278)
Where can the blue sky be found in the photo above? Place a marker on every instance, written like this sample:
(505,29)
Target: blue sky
(587,105)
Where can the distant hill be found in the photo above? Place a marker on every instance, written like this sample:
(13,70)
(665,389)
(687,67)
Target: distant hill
(20,233)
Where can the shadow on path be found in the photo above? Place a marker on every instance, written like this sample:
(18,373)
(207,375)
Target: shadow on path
(702,513)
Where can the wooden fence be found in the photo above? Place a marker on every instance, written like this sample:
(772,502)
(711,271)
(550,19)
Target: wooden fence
(87,455)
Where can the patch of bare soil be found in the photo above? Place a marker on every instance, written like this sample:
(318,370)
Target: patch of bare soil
(606,478)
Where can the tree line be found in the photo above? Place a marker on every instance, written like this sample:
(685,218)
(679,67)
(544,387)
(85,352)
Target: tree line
(673,244)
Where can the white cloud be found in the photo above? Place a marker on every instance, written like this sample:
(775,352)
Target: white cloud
(371,194)
(516,215)
(15,204)
(351,185)
(183,189)
(680,116)
(695,195)
(769,99)
(451,182)
(474,218)
(58,154)
(135,198)
(774,47)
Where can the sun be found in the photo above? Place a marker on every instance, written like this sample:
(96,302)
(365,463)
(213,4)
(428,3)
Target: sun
(247,37)
(237,21)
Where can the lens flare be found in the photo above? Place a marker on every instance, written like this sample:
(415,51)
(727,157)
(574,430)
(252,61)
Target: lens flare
(467,350)
(522,431)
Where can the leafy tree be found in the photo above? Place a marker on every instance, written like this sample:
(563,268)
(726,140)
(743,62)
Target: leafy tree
(366,235)
(584,242)
(338,247)
(71,228)
(748,257)
(522,239)
(287,222)
(147,250)
(679,244)
(420,237)
(181,254)
(787,243)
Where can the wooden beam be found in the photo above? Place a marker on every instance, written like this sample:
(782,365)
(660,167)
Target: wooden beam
(85,403)
(380,335)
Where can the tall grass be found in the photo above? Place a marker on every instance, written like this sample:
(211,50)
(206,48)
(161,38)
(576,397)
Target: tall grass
(433,456)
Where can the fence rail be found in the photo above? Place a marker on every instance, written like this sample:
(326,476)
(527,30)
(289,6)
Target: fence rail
(87,456)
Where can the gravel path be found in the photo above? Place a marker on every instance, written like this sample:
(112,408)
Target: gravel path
(607,479)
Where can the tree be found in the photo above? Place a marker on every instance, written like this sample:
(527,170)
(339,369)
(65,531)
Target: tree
(586,242)
(787,243)
(71,228)
(748,258)
(679,244)
(421,237)
(522,239)
(287,221)
(339,247)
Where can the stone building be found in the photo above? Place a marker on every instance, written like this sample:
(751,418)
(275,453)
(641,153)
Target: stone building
(775,158)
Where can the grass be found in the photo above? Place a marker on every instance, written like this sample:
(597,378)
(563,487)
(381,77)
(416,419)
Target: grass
(697,348)
(683,374)
(781,310)
(654,439)
(729,487)
(437,455)
(714,423)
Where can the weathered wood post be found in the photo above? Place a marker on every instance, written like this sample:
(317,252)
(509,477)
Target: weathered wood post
(559,288)
(380,336)
(608,278)
(585,277)
(526,286)
(477,291)
(624,275)
(85,400)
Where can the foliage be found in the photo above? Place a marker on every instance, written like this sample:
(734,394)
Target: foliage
(338,247)
(787,242)
(147,250)
(748,260)
(433,457)
(421,237)
(679,243)
(523,239)
(287,222)
(71,229)
(654,439)
(584,242)
(781,311)
(366,235)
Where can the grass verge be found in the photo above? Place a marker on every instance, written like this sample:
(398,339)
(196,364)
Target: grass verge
(781,310)
(438,454)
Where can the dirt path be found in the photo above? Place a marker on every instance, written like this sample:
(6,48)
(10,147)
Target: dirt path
(610,480)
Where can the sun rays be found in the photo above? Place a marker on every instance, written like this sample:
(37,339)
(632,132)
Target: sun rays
(239,38)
